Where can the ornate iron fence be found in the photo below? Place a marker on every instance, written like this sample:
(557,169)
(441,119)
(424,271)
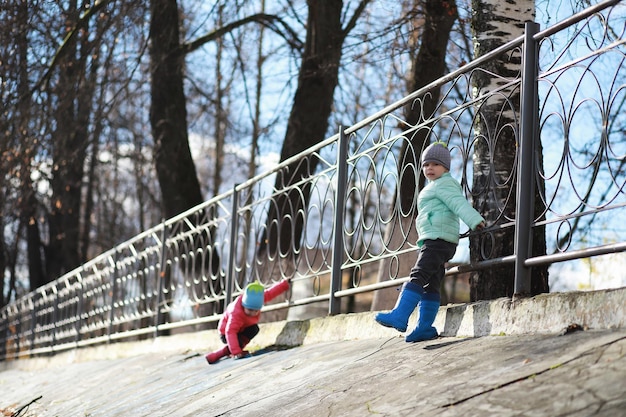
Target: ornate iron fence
(347,231)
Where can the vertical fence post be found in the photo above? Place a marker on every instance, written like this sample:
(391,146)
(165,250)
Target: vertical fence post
(160,280)
(18,326)
(113,294)
(4,332)
(5,337)
(525,212)
(19,331)
(55,313)
(334,306)
(33,323)
(230,277)
(79,308)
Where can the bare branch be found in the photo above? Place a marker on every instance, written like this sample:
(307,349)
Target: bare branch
(82,22)
(355,17)
(272,22)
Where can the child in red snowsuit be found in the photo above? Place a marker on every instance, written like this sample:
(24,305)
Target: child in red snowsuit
(239,324)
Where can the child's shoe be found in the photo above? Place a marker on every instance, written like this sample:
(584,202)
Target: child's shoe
(428,309)
(408,299)
(213,357)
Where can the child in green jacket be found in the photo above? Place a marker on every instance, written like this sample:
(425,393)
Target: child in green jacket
(440,206)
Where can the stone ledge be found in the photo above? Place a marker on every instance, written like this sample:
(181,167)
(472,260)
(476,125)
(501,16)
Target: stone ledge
(542,314)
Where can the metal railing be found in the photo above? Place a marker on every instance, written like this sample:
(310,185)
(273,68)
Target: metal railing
(350,233)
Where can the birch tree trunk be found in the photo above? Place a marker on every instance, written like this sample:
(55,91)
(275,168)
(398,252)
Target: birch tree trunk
(494,184)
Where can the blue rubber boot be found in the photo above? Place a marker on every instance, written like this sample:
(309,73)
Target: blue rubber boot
(408,299)
(429,306)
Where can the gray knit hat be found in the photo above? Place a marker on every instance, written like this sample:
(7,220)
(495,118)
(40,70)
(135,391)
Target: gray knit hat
(437,152)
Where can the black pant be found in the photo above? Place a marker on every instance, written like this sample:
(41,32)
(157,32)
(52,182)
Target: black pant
(429,269)
(245,335)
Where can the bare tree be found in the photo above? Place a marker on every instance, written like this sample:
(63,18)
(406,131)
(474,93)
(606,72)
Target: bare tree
(168,112)
(28,149)
(308,121)
(428,46)
(73,83)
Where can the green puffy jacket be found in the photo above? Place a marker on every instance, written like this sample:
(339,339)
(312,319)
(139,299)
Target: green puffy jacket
(440,205)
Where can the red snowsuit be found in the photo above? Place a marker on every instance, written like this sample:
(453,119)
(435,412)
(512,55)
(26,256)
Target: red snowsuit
(235,319)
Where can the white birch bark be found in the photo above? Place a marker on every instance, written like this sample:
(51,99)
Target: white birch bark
(495,23)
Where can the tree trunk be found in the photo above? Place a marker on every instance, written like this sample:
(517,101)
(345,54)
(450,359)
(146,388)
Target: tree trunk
(254,149)
(74,91)
(429,64)
(307,125)
(219,129)
(3,264)
(176,171)
(494,184)
(7,141)
(29,205)
(175,168)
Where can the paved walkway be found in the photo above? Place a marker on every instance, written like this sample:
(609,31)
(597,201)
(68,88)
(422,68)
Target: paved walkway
(574,372)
